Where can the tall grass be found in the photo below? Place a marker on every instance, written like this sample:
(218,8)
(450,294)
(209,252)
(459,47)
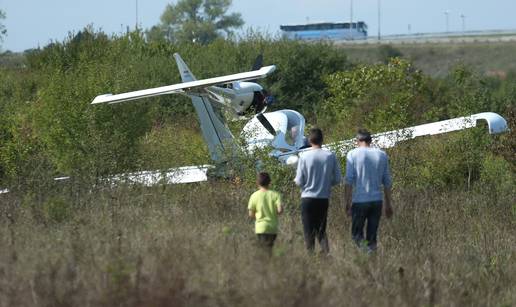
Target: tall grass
(193,245)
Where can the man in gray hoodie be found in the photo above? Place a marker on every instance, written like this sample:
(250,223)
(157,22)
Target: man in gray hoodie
(367,170)
(317,171)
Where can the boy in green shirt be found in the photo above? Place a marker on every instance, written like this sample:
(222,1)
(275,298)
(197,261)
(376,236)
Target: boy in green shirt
(265,206)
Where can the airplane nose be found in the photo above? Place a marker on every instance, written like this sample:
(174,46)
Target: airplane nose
(262,100)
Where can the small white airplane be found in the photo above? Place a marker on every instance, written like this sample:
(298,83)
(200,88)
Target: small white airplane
(282,130)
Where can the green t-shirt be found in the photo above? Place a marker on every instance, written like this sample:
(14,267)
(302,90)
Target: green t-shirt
(265,205)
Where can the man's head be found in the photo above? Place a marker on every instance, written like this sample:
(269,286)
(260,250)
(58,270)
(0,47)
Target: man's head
(364,137)
(315,137)
(263,179)
(294,131)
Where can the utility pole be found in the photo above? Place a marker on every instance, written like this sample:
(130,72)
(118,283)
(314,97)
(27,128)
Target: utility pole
(463,17)
(379,21)
(447,14)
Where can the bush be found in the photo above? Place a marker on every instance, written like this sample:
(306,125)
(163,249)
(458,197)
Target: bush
(387,52)
(496,176)
(56,209)
(379,97)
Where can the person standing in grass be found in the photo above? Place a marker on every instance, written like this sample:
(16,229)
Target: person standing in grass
(367,170)
(317,171)
(265,206)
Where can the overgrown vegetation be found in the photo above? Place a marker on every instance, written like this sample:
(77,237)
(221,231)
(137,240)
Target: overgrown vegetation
(193,245)
(81,242)
(76,138)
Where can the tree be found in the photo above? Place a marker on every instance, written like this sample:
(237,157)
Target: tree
(199,21)
(3,30)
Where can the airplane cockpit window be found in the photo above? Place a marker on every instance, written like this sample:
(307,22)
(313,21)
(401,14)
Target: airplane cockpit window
(295,127)
(291,135)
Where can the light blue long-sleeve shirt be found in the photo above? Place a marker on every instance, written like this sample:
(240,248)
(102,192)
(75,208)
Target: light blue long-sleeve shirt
(317,171)
(367,169)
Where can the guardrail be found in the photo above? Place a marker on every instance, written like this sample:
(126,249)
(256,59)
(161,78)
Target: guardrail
(457,37)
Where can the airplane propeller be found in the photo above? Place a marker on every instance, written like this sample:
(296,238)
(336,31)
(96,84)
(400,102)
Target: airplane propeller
(262,99)
(266,124)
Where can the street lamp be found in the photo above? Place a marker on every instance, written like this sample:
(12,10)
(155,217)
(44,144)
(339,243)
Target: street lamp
(351,19)
(136,24)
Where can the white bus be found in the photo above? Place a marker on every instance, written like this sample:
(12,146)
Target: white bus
(326,31)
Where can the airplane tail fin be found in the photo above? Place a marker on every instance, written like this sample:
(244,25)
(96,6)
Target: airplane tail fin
(186,73)
(214,130)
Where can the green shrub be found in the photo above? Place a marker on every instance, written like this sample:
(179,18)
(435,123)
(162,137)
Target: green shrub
(496,176)
(379,97)
(440,162)
(388,52)
(57,209)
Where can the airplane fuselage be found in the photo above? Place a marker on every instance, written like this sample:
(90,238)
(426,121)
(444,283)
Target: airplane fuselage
(238,96)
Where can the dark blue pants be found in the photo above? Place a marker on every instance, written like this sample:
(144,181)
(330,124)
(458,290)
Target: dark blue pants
(360,214)
(266,241)
(314,212)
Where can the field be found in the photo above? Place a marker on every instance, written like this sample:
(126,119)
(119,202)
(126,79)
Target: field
(495,58)
(193,245)
(82,242)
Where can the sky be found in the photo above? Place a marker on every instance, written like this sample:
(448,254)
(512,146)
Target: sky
(33,23)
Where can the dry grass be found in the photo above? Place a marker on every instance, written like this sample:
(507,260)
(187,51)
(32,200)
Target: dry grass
(436,59)
(193,245)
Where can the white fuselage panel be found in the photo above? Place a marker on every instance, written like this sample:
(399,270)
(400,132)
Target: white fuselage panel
(289,126)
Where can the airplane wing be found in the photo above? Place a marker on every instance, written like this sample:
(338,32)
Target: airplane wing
(185,174)
(496,124)
(184,87)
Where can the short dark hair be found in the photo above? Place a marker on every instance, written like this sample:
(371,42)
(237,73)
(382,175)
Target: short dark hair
(316,136)
(364,136)
(263,179)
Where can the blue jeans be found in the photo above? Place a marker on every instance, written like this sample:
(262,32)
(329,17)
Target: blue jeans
(360,213)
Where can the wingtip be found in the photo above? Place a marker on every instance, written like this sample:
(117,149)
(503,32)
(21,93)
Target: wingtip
(269,69)
(100,98)
(496,123)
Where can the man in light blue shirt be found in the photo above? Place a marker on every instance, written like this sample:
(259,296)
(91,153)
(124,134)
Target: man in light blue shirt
(367,170)
(317,171)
